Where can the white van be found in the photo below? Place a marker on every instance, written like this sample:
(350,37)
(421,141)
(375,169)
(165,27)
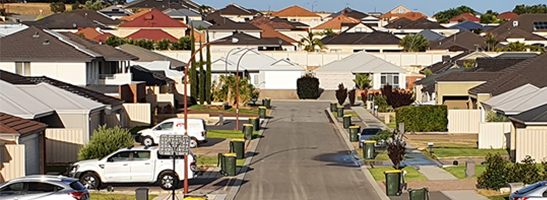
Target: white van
(196,130)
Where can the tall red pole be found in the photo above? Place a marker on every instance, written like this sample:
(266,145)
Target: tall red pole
(186,108)
(237,88)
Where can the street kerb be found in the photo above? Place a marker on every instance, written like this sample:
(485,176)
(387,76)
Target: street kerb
(342,133)
(241,176)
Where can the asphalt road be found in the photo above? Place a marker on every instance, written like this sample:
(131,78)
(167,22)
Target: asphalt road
(301,157)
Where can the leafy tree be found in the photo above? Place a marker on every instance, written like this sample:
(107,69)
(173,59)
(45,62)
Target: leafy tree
(427,72)
(469,63)
(446,15)
(105,141)
(163,44)
(397,98)
(495,117)
(381,102)
(97,5)
(414,43)
(491,41)
(351,97)
(208,73)
(226,88)
(182,44)
(307,87)
(58,7)
(114,41)
(77,5)
(328,31)
(525,9)
(396,150)
(362,81)
(491,12)
(495,176)
(201,78)
(489,19)
(311,41)
(341,94)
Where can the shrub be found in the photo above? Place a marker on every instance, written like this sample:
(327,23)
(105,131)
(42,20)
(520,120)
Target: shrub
(495,117)
(381,102)
(341,94)
(307,87)
(526,172)
(396,150)
(105,141)
(58,7)
(423,118)
(397,98)
(495,176)
(351,96)
(382,135)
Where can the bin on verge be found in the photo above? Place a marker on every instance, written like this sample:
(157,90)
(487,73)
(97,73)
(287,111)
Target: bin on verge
(248,131)
(354,133)
(255,122)
(333,106)
(141,193)
(237,146)
(418,194)
(195,197)
(230,164)
(340,111)
(266,102)
(221,163)
(368,149)
(262,112)
(393,182)
(347,121)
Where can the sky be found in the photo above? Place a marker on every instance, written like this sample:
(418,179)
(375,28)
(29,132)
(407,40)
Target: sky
(428,7)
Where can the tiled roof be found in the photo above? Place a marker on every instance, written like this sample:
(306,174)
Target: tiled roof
(146,55)
(88,33)
(465,17)
(362,38)
(350,12)
(109,53)
(152,34)
(407,14)
(181,12)
(150,77)
(154,18)
(234,9)
(293,23)
(80,18)
(336,22)
(222,23)
(441,66)
(294,11)
(529,71)
(470,76)
(507,15)
(104,89)
(412,16)
(14,79)
(495,64)
(102,38)
(398,23)
(518,33)
(133,16)
(245,39)
(164,4)
(422,23)
(432,35)
(462,41)
(279,24)
(538,114)
(33,44)
(269,32)
(467,25)
(16,125)
(524,22)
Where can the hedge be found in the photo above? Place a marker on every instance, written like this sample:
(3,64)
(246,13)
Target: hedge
(423,118)
(307,87)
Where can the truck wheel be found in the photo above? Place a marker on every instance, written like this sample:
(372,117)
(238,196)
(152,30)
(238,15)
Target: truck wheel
(168,180)
(147,141)
(193,143)
(90,181)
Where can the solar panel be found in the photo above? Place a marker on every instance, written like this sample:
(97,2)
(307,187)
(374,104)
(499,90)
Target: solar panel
(540,25)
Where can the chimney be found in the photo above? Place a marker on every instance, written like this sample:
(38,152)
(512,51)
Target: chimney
(446,58)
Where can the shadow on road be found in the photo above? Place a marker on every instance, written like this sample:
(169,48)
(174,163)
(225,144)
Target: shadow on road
(341,158)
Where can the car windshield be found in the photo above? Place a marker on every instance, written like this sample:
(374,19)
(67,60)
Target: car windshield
(530,188)
(370,131)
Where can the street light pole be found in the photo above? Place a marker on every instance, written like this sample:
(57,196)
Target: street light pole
(226,61)
(237,87)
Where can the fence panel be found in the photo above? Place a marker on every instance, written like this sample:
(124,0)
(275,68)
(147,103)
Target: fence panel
(137,114)
(13,162)
(531,142)
(63,145)
(464,121)
(492,135)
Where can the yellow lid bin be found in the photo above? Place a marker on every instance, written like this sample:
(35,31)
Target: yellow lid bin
(354,127)
(347,115)
(340,106)
(393,172)
(370,141)
(247,125)
(238,140)
(252,117)
(195,198)
(266,97)
(334,102)
(229,154)
(262,107)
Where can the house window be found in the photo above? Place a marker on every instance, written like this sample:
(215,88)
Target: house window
(389,79)
(22,68)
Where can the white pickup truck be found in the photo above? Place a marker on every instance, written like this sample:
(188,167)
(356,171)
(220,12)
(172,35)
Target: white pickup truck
(128,165)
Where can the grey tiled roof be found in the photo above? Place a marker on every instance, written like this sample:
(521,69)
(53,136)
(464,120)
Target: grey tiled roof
(362,38)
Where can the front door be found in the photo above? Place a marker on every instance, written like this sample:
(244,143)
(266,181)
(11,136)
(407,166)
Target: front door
(142,167)
(117,167)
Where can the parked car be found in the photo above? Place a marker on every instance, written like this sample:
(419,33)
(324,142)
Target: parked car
(133,165)
(196,130)
(367,133)
(535,191)
(43,187)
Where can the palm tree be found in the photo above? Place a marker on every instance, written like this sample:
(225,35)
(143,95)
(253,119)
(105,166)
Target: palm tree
(414,43)
(491,41)
(362,80)
(310,41)
(517,46)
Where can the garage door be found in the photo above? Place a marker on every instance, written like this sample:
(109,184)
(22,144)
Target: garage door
(330,80)
(281,79)
(32,154)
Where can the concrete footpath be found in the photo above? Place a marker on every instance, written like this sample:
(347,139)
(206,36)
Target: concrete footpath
(454,188)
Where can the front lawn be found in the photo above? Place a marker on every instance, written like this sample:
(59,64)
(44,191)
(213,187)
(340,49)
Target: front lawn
(392,124)
(231,110)
(350,113)
(381,155)
(411,175)
(463,152)
(228,134)
(459,171)
(213,161)
(106,196)
(500,197)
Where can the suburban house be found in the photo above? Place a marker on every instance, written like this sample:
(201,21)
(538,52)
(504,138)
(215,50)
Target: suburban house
(529,134)
(22,146)
(223,27)
(293,30)
(362,38)
(183,15)
(298,14)
(406,26)
(153,20)
(464,17)
(63,56)
(243,39)
(462,41)
(237,13)
(337,24)
(398,12)
(74,20)
(94,34)
(162,5)
(343,71)
(531,23)
(116,11)
(272,76)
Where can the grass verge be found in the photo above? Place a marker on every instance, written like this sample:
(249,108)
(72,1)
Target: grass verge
(462,152)
(231,110)
(493,194)
(381,155)
(411,175)
(106,196)
(351,113)
(392,124)
(228,134)
(213,161)
(459,171)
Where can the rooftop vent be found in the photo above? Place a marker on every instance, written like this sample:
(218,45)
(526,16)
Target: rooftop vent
(46,42)
(36,35)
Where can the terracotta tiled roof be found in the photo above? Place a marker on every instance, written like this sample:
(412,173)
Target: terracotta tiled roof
(16,125)
(257,21)
(89,33)
(294,11)
(269,32)
(102,38)
(336,23)
(412,16)
(390,15)
(133,16)
(465,17)
(152,34)
(508,15)
(154,18)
